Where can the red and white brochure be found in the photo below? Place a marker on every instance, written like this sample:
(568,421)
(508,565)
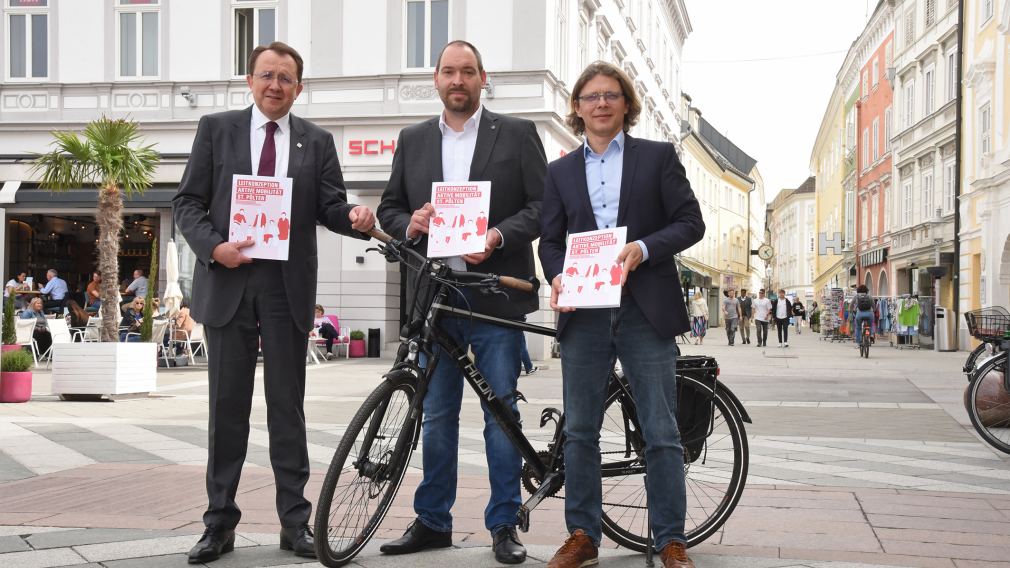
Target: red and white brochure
(260,211)
(592,276)
(459,225)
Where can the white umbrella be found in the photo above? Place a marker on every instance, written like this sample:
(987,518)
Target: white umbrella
(172,298)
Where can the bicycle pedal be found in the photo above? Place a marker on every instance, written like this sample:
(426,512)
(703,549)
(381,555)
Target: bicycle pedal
(523,516)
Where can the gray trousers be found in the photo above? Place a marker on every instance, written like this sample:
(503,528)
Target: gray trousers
(731,329)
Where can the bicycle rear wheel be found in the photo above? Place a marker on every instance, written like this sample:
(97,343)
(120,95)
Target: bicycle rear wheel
(988,402)
(715,480)
(366,471)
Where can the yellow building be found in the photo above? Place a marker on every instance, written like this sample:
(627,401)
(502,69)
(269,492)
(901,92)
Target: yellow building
(827,164)
(985,159)
(728,187)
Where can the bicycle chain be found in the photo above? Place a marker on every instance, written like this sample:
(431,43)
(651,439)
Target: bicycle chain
(529,481)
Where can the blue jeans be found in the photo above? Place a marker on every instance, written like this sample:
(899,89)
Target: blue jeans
(861,316)
(591,341)
(524,356)
(496,350)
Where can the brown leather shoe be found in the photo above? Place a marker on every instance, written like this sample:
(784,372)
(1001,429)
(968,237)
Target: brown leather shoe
(674,555)
(576,552)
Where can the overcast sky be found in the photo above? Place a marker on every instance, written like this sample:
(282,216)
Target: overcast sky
(762,73)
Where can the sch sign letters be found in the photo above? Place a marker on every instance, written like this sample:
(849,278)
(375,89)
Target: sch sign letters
(370,147)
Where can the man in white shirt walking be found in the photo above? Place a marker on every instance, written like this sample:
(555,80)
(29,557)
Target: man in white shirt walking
(762,313)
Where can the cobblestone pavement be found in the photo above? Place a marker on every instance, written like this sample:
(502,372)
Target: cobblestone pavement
(853,462)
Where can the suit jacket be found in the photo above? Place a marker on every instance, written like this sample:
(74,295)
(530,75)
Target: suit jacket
(509,154)
(202,210)
(656,205)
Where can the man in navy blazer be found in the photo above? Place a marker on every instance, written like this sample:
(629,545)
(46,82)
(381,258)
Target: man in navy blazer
(616,180)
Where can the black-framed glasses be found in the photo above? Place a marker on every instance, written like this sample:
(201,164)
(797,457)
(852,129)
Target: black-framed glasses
(269,76)
(609,96)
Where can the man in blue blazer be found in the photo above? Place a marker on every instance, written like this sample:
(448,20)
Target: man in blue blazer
(616,180)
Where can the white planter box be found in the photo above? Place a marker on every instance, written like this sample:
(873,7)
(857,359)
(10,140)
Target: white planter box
(104,368)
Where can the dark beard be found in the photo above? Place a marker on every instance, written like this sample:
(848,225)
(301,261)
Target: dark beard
(466,105)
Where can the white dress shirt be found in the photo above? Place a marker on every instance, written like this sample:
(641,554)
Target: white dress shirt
(282,141)
(457,155)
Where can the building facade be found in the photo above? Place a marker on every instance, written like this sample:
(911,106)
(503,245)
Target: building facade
(792,226)
(873,154)
(921,213)
(368,74)
(729,188)
(985,159)
(827,163)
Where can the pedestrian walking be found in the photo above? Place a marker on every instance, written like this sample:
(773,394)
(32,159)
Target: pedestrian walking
(762,313)
(731,315)
(699,317)
(799,315)
(250,306)
(746,314)
(782,309)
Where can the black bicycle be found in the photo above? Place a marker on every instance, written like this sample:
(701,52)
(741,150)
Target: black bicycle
(987,397)
(371,460)
(865,338)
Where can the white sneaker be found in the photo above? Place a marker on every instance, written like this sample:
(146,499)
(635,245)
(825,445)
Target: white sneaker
(787,344)
(329,355)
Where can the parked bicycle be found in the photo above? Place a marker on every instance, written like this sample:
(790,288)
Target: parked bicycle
(987,398)
(371,460)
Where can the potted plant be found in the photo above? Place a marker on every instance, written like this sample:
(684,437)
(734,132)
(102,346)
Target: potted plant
(108,156)
(815,321)
(16,376)
(356,348)
(10,335)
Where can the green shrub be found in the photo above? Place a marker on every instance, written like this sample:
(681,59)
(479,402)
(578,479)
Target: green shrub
(10,336)
(16,361)
(357,334)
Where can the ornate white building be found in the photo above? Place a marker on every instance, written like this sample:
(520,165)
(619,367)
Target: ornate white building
(368,73)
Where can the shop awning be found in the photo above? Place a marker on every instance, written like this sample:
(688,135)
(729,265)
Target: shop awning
(691,274)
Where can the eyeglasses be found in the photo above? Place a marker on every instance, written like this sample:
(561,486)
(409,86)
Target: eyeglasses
(269,76)
(609,96)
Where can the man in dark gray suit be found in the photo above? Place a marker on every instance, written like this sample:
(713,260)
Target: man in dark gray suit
(247,304)
(470,143)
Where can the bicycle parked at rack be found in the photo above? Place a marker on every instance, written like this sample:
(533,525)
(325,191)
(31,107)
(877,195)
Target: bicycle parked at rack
(371,460)
(987,398)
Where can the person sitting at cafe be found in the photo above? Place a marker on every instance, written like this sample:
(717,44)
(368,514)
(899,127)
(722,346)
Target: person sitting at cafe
(78,317)
(93,293)
(132,317)
(184,323)
(17,284)
(43,339)
(57,290)
(138,287)
(324,328)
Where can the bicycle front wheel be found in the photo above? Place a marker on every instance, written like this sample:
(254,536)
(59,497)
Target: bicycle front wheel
(715,480)
(366,471)
(988,403)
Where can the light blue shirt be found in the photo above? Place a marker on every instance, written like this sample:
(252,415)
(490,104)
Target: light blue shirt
(603,178)
(57,288)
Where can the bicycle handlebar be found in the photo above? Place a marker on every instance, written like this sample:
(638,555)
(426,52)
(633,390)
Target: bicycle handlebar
(529,286)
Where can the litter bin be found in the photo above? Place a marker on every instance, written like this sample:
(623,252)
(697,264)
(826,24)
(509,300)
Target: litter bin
(943,329)
(373,342)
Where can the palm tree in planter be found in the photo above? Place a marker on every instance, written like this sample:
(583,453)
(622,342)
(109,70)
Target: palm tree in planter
(107,155)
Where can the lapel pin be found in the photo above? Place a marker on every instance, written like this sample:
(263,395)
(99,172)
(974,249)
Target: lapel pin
(492,127)
(298,145)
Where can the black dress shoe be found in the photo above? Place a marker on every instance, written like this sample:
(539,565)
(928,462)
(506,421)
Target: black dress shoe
(417,537)
(506,546)
(298,540)
(214,542)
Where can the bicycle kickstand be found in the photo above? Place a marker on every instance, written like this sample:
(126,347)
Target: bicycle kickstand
(648,529)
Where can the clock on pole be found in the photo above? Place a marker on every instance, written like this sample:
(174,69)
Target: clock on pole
(765,252)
